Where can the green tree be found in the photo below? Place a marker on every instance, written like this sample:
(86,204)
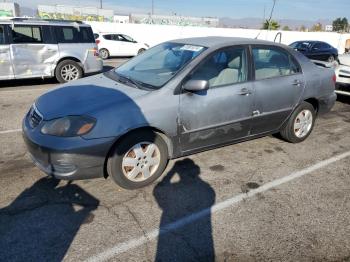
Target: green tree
(286,28)
(340,25)
(317,27)
(302,28)
(271,25)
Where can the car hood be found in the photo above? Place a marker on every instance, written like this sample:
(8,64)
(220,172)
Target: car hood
(86,96)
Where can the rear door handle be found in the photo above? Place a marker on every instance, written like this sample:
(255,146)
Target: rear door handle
(245,92)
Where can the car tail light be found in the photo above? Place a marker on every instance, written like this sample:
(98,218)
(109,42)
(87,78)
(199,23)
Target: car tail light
(334,78)
(96,52)
(97,42)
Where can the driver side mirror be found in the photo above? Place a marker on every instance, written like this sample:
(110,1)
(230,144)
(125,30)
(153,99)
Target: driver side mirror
(196,85)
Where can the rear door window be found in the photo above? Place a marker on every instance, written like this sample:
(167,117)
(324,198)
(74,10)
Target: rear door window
(26,34)
(271,62)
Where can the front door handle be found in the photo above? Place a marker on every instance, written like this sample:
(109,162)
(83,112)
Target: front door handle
(297,82)
(245,92)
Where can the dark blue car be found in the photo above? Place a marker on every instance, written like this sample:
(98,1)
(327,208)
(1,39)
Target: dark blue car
(316,50)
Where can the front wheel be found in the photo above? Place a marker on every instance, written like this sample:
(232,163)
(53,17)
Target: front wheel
(141,51)
(300,123)
(138,159)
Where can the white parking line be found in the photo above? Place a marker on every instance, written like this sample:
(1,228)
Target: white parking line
(10,131)
(152,235)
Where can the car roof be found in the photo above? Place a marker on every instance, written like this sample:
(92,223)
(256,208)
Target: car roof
(33,21)
(219,41)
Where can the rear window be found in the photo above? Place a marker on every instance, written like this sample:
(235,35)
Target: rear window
(70,34)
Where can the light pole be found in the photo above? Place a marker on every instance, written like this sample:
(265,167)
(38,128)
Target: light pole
(273,7)
(152,12)
(100,4)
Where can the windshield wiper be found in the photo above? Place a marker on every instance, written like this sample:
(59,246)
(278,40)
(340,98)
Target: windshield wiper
(125,79)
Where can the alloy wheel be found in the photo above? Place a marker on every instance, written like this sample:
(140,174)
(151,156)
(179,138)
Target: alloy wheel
(303,123)
(141,161)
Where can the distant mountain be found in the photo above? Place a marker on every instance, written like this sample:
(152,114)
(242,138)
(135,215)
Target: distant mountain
(256,23)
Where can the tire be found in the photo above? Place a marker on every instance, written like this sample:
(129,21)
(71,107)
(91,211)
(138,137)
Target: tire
(135,176)
(331,59)
(104,53)
(300,116)
(63,68)
(141,51)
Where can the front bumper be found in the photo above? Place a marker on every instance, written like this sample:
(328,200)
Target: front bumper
(72,158)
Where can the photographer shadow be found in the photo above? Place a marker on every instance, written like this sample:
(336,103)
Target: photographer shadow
(178,199)
(42,222)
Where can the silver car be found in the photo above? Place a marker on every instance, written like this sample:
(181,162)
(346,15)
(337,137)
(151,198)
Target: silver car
(37,48)
(175,99)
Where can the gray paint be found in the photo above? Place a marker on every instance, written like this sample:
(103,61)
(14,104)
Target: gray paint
(190,121)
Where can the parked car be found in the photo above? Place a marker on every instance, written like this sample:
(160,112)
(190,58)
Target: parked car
(32,48)
(115,44)
(175,99)
(316,50)
(342,72)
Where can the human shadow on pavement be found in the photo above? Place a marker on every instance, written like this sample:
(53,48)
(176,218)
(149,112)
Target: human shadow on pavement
(180,194)
(41,223)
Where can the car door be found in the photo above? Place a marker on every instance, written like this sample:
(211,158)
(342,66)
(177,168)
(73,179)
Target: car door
(278,86)
(33,51)
(127,45)
(222,113)
(320,51)
(6,68)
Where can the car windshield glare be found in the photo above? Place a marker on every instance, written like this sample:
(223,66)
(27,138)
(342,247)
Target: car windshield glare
(155,67)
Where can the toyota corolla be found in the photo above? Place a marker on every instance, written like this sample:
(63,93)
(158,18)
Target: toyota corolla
(176,99)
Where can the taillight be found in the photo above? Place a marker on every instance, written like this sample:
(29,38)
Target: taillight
(97,42)
(334,78)
(96,52)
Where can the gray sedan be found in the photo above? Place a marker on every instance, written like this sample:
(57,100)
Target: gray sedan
(176,99)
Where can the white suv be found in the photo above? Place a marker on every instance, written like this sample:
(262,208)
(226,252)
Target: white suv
(115,44)
(31,48)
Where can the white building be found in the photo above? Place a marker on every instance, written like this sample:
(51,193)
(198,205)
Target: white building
(328,28)
(121,19)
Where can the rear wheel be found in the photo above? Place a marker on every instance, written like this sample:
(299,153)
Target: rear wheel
(104,53)
(68,70)
(300,123)
(138,159)
(331,59)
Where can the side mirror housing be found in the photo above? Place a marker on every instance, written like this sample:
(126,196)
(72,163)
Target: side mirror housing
(196,85)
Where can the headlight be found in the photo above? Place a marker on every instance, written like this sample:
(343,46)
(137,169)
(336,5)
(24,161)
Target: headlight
(69,126)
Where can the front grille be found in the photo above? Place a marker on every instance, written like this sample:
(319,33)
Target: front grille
(34,117)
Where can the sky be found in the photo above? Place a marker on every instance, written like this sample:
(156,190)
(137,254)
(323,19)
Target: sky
(285,9)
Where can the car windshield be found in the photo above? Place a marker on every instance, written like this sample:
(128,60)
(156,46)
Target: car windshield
(155,67)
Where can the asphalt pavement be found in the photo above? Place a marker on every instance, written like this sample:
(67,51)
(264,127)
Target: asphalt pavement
(261,200)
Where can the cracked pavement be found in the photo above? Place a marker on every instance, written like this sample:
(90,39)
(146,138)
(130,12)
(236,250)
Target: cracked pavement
(307,219)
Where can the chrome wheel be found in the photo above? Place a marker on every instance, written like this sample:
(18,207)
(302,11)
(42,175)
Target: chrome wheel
(69,72)
(141,161)
(104,53)
(303,123)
